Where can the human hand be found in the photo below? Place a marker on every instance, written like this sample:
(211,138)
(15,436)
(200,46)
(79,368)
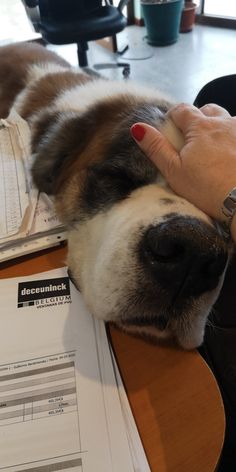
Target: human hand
(204,170)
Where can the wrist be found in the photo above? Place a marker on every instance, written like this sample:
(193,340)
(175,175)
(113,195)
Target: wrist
(229,211)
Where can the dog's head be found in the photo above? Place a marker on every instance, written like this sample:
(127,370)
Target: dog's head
(142,256)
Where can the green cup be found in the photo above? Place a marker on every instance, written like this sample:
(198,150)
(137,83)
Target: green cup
(162,20)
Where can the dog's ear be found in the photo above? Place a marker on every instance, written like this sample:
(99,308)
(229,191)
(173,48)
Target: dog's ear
(57,140)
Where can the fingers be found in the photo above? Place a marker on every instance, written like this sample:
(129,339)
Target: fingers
(183,114)
(157,148)
(213,110)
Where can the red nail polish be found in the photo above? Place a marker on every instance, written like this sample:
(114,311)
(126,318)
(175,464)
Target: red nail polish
(138,132)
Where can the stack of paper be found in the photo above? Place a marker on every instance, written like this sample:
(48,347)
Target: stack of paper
(62,403)
(27,220)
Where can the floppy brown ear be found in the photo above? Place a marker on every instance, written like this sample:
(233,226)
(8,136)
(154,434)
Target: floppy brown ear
(57,141)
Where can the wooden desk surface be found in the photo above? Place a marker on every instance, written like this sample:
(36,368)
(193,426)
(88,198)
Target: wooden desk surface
(173,394)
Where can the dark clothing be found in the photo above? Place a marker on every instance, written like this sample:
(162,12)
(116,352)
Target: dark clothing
(219,351)
(219,347)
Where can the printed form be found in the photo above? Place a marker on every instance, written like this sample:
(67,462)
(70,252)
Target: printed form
(15,188)
(28,221)
(62,403)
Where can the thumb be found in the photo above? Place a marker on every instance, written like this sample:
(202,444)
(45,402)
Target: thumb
(155,145)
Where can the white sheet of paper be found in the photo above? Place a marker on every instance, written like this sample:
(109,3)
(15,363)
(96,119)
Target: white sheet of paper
(59,401)
(26,216)
(13,188)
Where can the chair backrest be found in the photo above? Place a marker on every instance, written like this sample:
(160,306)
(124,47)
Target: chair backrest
(63,9)
(221,91)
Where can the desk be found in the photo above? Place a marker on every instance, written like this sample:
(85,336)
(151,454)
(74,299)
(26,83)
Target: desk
(173,394)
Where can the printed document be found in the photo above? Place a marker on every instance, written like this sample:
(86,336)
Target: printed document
(62,403)
(28,221)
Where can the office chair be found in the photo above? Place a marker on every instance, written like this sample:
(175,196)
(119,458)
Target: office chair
(78,21)
(221,91)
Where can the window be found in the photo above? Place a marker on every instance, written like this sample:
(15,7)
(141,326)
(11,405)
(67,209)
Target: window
(217,12)
(226,8)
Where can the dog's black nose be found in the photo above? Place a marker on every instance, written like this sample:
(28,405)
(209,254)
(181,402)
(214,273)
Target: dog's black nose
(185,256)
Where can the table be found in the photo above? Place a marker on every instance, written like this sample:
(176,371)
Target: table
(173,394)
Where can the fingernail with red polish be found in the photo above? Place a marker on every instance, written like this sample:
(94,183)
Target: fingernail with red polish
(138,132)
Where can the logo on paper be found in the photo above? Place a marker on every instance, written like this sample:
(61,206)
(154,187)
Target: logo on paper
(49,292)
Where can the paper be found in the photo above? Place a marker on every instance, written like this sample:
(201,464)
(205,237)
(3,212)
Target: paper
(62,403)
(14,193)
(26,217)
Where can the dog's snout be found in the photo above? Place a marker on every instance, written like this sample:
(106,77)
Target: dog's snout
(185,256)
(162,247)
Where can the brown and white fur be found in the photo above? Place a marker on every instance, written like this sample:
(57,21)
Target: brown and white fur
(142,256)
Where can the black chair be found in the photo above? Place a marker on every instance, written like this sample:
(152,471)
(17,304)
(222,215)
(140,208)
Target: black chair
(78,21)
(221,91)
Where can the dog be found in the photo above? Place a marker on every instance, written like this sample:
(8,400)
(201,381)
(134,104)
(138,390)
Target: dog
(142,256)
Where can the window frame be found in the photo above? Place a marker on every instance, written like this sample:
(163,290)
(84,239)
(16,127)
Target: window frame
(213,20)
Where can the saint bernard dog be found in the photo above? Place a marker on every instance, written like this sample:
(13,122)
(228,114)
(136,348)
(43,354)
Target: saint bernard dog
(142,256)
